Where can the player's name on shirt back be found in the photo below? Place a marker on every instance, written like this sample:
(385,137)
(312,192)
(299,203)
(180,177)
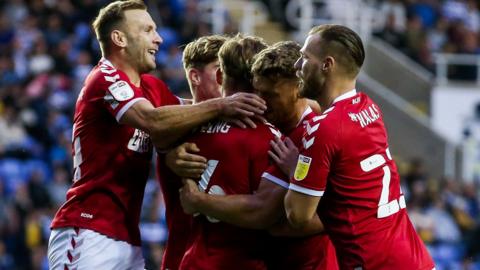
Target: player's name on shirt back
(216,127)
(367,116)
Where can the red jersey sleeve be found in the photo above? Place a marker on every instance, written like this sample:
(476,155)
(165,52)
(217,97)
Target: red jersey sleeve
(317,152)
(275,175)
(114,89)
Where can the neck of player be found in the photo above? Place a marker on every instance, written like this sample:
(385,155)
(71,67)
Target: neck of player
(122,64)
(300,107)
(335,86)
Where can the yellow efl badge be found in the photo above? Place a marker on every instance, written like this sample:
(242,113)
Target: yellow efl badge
(303,165)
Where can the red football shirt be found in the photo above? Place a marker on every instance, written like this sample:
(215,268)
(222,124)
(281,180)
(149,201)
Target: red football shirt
(236,160)
(178,223)
(345,159)
(312,252)
(111,161)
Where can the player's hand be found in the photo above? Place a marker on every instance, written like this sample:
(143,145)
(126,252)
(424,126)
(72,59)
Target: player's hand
(285,154)
(242,108)
(189,195)
(184,163)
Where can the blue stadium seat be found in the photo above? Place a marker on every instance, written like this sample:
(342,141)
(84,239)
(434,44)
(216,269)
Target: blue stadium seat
(41,166)
(13,173)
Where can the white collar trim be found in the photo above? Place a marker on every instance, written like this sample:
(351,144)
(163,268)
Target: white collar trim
(106,62)
(346,95)
(305,113)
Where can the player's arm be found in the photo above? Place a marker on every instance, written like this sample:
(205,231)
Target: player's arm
(300,208)
(255,211)
(184,161)
(167,124)
(283,228)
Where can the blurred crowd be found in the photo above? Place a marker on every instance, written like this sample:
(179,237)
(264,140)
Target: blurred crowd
(46,50)
(446,215)
(421,28)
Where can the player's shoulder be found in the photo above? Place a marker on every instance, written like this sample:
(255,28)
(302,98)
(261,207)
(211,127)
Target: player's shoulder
(268,129)
(362,111)
(345,108)
(153,80)
(104,74)
(326,121)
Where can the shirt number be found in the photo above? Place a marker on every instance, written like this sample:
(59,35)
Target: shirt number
(77,159)
(385,208)
(205,180)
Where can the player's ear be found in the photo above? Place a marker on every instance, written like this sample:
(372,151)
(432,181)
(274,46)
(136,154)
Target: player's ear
(328,63)
(219,76)
(194,76)
(119,38)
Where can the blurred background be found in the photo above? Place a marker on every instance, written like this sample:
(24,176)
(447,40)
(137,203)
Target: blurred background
(422,68)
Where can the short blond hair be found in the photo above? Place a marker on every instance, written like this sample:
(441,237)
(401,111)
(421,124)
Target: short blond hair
(110,17)
(277,61)
(202,51)
(236,58)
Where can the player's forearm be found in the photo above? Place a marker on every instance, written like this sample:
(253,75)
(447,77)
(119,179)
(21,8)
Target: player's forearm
(283,228)
(168,124)
(240,210)
(300,208)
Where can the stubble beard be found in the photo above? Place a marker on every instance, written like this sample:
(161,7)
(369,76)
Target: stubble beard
(308,90)
(139,61)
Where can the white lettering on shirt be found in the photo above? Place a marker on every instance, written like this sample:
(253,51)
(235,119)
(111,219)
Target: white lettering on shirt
(366,117)
(140,141)
(219,127)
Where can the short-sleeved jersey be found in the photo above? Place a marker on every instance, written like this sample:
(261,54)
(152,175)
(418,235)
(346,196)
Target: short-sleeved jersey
(345,158)
(313,252)
(178,223)
(111,161)
(236,160)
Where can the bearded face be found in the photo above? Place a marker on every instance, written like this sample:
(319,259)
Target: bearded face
(309,70)
(312,82)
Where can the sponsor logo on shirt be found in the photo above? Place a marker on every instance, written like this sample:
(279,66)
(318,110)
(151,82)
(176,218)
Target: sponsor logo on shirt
(86,215)
(121,91)
(303,165)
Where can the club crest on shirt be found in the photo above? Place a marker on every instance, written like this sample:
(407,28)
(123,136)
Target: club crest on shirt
(121,91)
(303,165)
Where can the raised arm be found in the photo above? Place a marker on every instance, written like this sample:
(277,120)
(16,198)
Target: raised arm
(254,211)
(167,124)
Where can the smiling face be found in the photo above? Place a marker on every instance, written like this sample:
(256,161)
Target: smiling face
(309,69)
(142,39)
